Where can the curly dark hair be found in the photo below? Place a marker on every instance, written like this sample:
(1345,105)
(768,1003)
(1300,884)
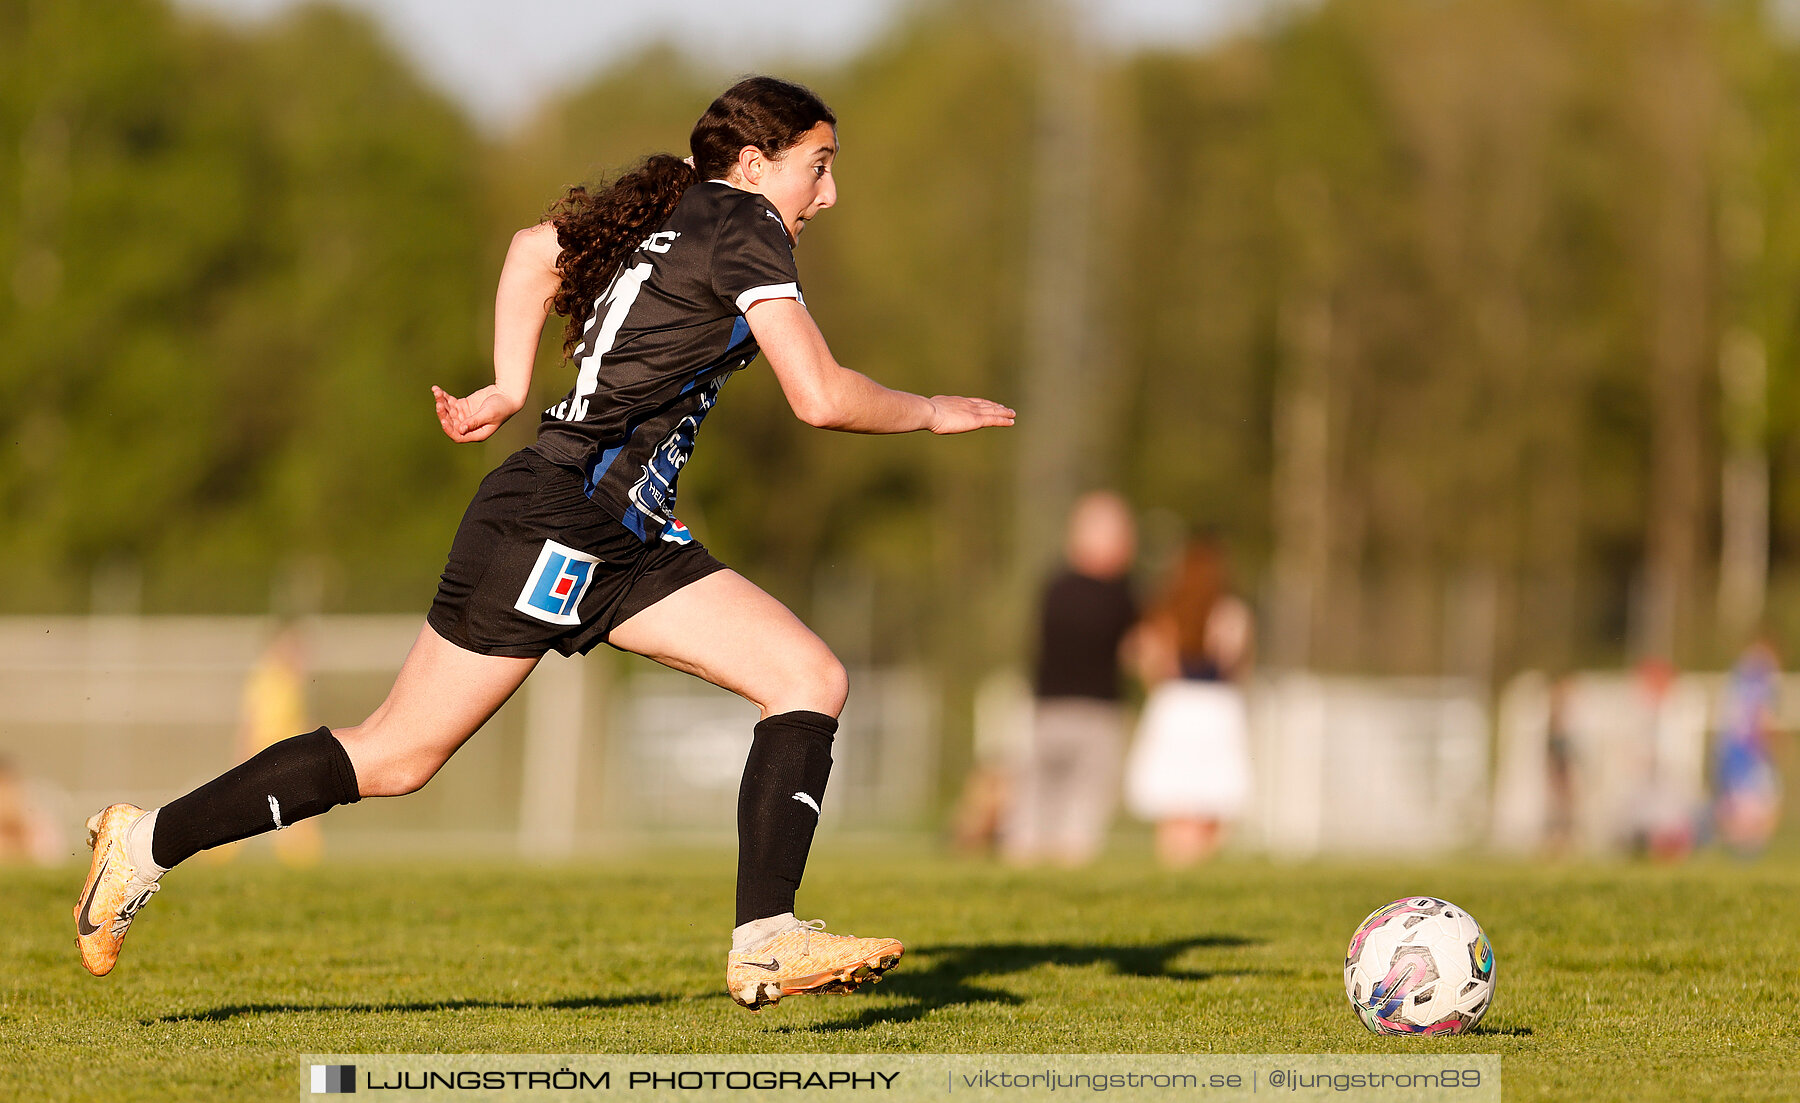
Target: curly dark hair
(597,229)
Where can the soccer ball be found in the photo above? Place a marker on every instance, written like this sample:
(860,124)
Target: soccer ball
(1419,966)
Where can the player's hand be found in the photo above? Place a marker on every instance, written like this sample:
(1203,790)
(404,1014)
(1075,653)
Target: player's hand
(475,417)
(954,414)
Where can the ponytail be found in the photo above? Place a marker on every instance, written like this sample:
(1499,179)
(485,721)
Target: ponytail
(598,229)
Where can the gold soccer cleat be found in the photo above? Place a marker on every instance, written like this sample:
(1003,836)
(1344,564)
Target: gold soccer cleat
(114,891)
(808,960)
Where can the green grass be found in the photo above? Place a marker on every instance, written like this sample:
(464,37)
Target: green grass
(1618,982)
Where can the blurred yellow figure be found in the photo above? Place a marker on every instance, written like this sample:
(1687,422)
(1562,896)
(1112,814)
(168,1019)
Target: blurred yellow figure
(273,708)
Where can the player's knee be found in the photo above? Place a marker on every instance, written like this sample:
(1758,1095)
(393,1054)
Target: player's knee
(828,683)
(397,779)
(814,682)
(382,769)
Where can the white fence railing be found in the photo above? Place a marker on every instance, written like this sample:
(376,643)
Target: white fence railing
(591,753)
(603,751)
(1392,766)
(1403,766)
(1600,761)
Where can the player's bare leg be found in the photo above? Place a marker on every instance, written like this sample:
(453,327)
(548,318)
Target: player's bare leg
(724,629)
(442,696)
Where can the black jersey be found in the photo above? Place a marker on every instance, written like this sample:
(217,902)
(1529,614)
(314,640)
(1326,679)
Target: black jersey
(660,343)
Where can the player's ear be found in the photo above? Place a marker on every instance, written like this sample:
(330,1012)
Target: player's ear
(751,163)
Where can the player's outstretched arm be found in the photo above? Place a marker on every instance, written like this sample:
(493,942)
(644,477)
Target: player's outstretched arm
(824,393)
(527,281)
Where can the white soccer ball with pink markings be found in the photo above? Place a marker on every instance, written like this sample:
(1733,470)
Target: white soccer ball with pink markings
(1419,965)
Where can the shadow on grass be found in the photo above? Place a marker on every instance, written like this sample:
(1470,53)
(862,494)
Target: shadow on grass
(949,978)
(1503,1031)
(572,1003)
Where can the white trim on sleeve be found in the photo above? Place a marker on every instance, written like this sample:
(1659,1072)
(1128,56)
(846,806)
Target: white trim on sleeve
(773,291)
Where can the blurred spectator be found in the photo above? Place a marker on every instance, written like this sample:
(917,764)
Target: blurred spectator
(1560,764)
(1066,784)
(274,708)
(1189,770)
(1746,785)
(1003,714)
(25,834)
(1663,815)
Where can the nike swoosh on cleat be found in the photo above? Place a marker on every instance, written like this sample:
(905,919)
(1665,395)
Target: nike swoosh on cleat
(773,965)
(81,917)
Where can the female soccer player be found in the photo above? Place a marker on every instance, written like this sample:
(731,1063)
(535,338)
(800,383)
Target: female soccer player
(671,279)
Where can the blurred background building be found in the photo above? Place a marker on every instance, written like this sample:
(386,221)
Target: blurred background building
(1472,322)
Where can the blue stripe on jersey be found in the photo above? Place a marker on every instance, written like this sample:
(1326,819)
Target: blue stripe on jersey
(740,333)
(598,469)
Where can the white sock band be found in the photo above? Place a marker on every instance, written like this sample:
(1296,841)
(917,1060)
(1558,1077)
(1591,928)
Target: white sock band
(137,845)
(747,938)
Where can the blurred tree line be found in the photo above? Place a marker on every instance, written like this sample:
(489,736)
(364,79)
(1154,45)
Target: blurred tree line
(1471,324)
(234,263)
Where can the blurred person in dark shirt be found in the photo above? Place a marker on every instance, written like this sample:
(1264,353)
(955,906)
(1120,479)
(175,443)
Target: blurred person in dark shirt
(1066,784)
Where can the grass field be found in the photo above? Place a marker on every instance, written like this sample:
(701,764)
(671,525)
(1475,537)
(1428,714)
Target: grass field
(1617,982)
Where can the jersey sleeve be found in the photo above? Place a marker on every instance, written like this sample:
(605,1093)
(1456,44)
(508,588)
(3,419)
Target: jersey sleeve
(752,258)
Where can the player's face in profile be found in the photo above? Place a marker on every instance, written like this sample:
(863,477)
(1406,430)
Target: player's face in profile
(800,184)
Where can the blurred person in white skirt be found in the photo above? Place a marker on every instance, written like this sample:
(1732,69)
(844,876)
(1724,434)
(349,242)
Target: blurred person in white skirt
(1065,783)
(1189,767)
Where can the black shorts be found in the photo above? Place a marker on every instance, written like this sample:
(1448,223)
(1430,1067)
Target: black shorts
(537,565)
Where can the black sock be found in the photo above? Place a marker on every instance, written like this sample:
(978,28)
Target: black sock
(790,759)
(283,784)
